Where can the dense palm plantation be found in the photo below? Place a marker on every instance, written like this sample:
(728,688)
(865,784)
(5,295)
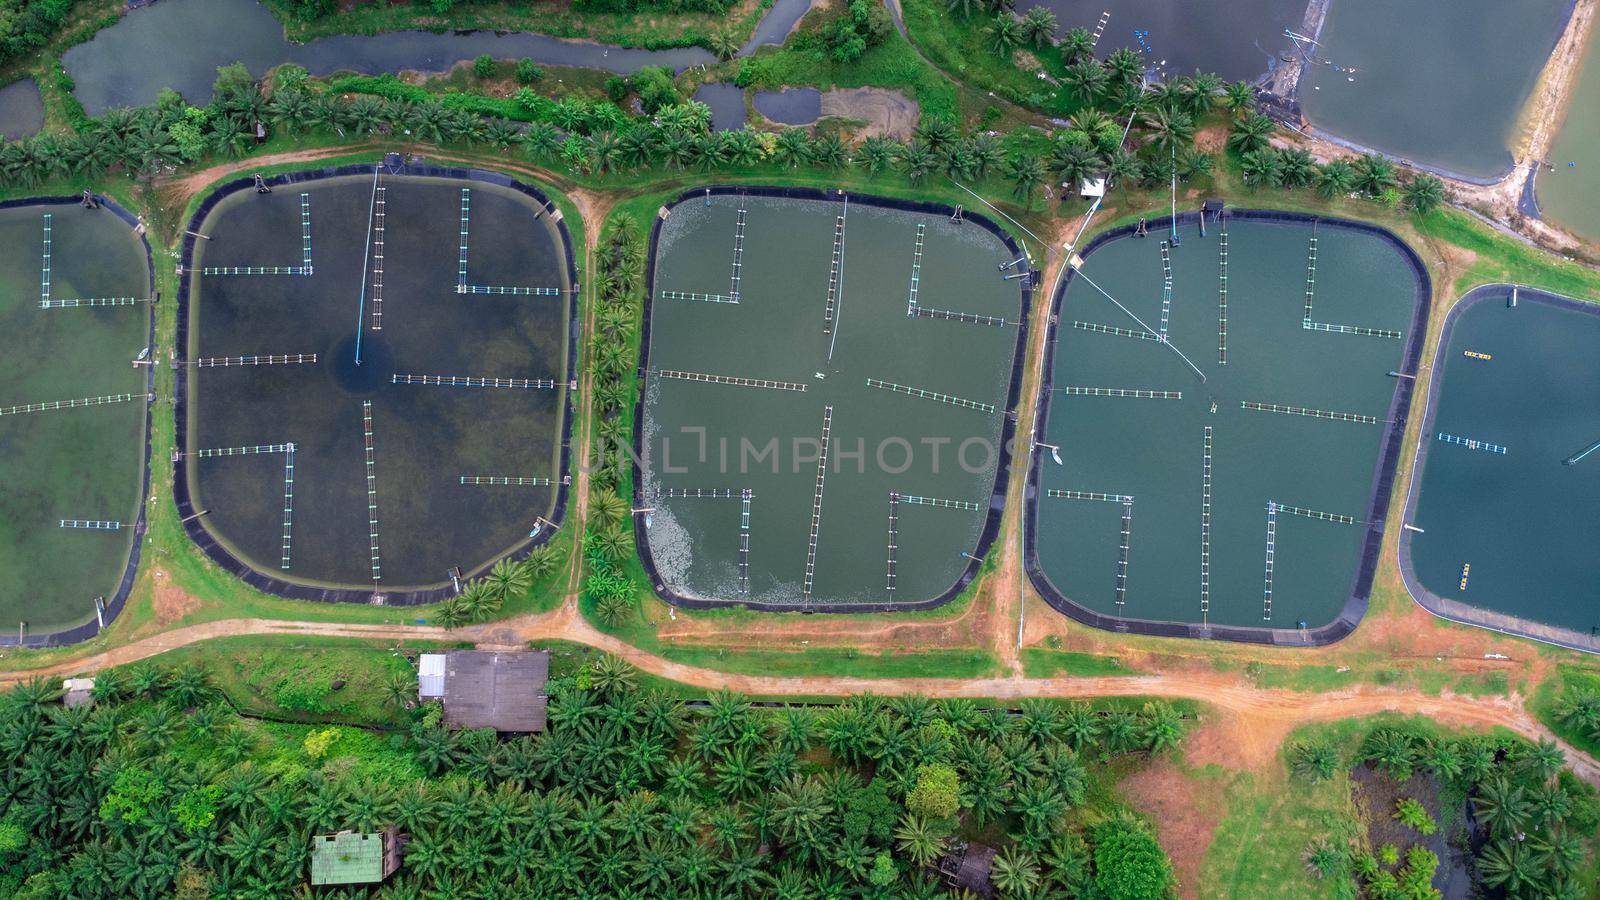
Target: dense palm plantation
(160,788)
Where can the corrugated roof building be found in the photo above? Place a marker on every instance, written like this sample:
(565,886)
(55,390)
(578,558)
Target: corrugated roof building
(484,689)
(349,857)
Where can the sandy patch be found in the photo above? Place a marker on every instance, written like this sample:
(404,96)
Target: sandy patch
(170,602)
(887,113)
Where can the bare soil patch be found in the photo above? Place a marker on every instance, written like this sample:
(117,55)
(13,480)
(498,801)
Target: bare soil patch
(887,113)
(170,602)
(1185,822)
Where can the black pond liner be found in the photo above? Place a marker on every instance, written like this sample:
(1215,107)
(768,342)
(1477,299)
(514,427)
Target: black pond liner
(1382,482)
(1443,607)
(193,524)
(997,498)
(141,525)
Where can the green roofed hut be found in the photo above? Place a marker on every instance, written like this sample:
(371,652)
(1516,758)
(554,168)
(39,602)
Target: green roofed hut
(350,857)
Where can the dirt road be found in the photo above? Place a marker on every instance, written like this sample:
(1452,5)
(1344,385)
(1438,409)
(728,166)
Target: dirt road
(1251,724)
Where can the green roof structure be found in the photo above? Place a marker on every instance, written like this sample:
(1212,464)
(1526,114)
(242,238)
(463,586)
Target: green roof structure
(347,858)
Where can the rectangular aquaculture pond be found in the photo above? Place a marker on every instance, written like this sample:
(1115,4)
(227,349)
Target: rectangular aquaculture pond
(75,299)
(827,395)
(1220,418)
(376,371)
(1500,526)
(1237,39)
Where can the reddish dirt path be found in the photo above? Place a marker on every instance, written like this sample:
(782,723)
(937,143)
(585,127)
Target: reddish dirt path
(1252,724)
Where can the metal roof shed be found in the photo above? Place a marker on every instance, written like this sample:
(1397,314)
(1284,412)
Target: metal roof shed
(348,857)
(503,691)
(430,676)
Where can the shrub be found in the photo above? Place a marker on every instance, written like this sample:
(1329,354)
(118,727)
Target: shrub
(483,66)
(528,72)
(1414,816)
(937,794)
(317,743)
(1128,863)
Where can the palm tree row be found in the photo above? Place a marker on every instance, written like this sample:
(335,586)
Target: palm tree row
(630,793)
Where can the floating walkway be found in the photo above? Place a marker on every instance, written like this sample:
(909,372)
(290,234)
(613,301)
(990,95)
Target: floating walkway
(1314,514)
(699,493)
(379,219)
(738,256)
(1088,495)
(305,267)
(92,524)
(1311,413)
(1077,267)
(44,271)
(733,380)
(51,405)
(1272,549)
(507,480)
(1098,328)
(1166,288)
(1474,444)
(731,299)
(1222,297)
(463,283)
(835,278)
(1205,527)
(243,451)
(916,274)
(894,535)
(372,491)
(281,359)
(1576,458)
(816,501)
(288,505)
(92,301)
(1073,390)
(930,395)
(1309,325)
(288,482)
(967,505)
(474,381)
(1311,271)
(950,315)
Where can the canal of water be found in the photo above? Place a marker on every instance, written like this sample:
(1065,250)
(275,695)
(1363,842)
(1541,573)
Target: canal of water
(130,63)
(1570,195)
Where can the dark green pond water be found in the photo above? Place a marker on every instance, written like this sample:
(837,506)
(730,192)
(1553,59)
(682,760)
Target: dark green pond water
(1438,86)
(1521,520)
(1154,450)
(21,109)
(425,437)
(75,464)
(881,440)
(1236,39)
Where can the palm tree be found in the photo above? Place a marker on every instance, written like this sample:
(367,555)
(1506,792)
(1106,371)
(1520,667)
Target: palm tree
(1202,92)
(936,133)
(1503,806)
(614,609)
(508,580)
(608,509)
(916,162)
(542,141)
(1015,872)
(964,8)
(1025,172)
(1163,727)
(605,151)
(613,673)
(1298,168)
(499,134)
(1086,80)
(477,601)
(541,561)
(919,839)
(875,154)
(1005,35)
(1374,174)
(398,689)
(1423,194)
(1077,45)
(1250,133)
(452,613)
(1169,130)
(984,152)
(829,152)
(792,147)
(613,544)
(1335,179)
(1315,761)
(1039,26)
(1510,865)
(724,43)
(1124,66)
(1240,98)
(1192,161)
